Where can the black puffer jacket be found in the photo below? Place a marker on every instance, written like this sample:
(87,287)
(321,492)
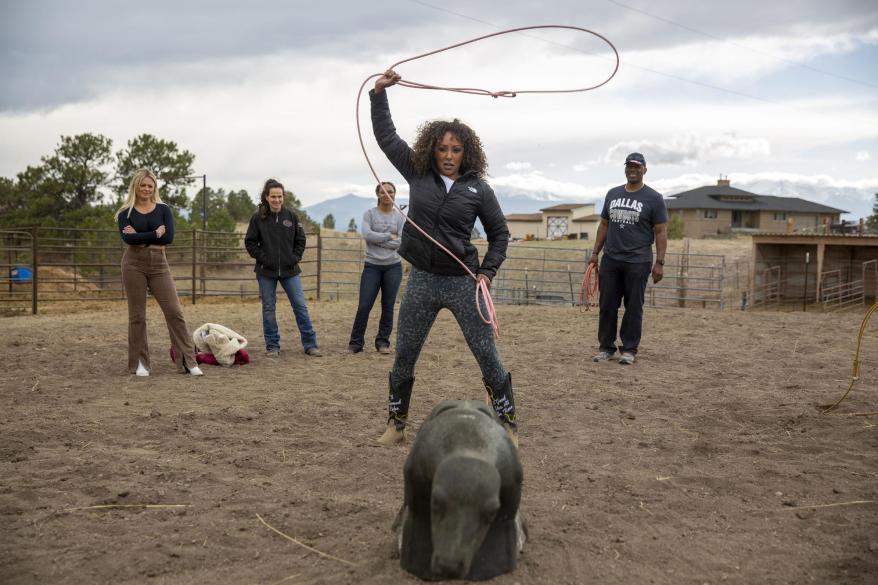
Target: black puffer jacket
(277,242)
(447,217)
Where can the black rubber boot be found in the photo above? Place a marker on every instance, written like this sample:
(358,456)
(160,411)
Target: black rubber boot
(398,402)
(503,402)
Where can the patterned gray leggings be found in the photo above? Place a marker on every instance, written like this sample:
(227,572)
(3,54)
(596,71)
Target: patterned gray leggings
(425,295)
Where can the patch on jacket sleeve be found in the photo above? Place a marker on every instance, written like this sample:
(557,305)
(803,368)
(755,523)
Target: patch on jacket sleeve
(288,223)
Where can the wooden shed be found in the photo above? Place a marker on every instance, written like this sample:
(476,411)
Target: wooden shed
(833,269)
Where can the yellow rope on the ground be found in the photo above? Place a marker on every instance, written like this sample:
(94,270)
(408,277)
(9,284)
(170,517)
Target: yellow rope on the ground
(303,545)
(111,506)
(855,374)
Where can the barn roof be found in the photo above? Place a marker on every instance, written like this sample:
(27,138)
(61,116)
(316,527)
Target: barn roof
(565,207)
(524,217)
(724,196)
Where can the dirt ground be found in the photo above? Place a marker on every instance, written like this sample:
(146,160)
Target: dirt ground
(707,461)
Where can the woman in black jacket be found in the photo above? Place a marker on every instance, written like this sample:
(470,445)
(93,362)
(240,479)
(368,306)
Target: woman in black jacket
(445,171)
(276,239)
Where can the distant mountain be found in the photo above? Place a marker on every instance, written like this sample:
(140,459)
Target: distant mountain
(856,202)
(343,209)
(351,206)
(513,200)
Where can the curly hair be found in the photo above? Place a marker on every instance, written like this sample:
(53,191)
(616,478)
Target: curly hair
(264,207)
(430,134)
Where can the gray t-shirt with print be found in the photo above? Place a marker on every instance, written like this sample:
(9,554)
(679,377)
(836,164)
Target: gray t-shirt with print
(632,218)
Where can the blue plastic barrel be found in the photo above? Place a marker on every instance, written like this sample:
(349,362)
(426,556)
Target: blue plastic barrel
(21,274)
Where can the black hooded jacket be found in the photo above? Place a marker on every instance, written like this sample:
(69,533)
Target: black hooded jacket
(447,217)
(277,242)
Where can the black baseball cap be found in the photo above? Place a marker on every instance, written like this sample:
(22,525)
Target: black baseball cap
(636,158)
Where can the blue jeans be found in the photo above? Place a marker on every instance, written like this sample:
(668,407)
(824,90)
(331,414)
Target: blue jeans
(268,294)
(375,277)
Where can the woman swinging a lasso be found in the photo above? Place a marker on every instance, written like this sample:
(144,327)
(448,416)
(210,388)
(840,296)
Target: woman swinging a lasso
(445,171)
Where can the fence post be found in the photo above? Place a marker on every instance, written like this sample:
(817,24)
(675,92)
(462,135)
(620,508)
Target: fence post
(543,276)
(34,287)
(526,288)
(194,251)
(570,279)
(722,279)
(805,292)
(683,283)
(73,259)
(10,241)
(203,263)
(319,262)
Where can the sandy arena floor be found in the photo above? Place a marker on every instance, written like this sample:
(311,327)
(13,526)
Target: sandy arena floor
(707,461)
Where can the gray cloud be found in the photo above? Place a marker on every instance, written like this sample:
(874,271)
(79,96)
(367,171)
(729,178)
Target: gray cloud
(690,150)
(54,51)
(638,24)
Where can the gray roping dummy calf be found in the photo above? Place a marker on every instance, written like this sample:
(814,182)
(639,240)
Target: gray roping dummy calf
(460,517)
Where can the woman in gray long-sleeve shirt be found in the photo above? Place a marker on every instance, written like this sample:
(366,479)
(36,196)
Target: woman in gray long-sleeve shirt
(382,270)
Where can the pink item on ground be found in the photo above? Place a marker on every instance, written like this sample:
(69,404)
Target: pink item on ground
(203,357)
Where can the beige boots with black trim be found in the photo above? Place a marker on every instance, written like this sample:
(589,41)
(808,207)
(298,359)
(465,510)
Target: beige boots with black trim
(501,400)
(392,435)
(398,411)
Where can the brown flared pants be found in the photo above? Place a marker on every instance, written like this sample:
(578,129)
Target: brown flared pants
(147,267)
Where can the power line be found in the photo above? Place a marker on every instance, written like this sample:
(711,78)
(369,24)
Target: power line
(742,46)
(633,66)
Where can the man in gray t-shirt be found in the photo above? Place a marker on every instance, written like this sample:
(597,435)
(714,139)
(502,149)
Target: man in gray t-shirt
(634,216)
(382,270)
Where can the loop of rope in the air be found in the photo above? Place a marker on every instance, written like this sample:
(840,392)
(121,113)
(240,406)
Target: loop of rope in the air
(484,302)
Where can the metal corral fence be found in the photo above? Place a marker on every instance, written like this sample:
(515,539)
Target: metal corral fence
(778,281)
(52,265)
(546,274)
(839,290)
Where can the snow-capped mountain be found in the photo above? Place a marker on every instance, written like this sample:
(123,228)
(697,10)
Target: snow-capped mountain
(856,199)
(351,206)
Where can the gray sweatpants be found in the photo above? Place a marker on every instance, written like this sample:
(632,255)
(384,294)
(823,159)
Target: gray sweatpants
(425,295)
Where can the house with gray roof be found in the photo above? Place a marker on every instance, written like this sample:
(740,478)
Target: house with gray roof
(722,209)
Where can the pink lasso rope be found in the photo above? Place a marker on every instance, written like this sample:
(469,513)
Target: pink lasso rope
(484,302)
(588,291)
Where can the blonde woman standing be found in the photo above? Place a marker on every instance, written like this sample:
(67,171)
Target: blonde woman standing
(147,226)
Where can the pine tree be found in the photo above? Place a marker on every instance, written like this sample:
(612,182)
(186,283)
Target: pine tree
(872,220)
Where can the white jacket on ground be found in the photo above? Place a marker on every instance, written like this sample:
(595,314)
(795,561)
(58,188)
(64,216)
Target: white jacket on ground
(221,341)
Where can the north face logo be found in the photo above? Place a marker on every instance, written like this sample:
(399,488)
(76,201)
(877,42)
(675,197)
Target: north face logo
(473,189)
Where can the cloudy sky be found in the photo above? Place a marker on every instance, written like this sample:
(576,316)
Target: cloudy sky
(782,95)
